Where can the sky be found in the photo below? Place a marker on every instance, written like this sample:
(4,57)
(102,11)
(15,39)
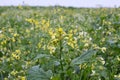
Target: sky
(67,3)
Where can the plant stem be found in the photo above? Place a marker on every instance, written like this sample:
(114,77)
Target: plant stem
(62,74)
(61,55)
(1,76)
(34,41)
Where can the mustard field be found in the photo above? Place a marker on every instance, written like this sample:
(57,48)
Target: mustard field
(59,43)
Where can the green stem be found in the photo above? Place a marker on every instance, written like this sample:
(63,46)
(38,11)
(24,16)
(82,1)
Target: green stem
(61,55)
(62,74)
(33,42)
(1,76)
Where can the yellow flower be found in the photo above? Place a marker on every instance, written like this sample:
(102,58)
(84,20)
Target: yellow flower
(66,38)
(10,30)
(86,45)
(23,78)
(15,56)
(6,79)
(15,35)
(36,22)
(55,41)
(52,49)
(101,60)
(3,42)
(27,30)
(75,31)
(43,22)
(29,20)
(28,63)
(71,31)
(2,36)
(117,76)
(60,30)
(103,40)
(13,72)
(50,31)
(32,21)
(93,72)
(103,49)
(70,35)
(101,67)
(71,44)
(39,45)
(52,34)
(109,23)
(20,7)
(118,58)
(17,51)
(13,39)
(95,46)
(48,24)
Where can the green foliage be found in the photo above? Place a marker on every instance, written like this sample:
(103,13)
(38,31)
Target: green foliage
(36,73)
(66,43)
(84,57)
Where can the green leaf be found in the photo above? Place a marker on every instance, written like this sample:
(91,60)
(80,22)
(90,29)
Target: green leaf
(103,74)
(36,73)
(83,57)
(56,77)
(56,63)
(118,45)
(41,56)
